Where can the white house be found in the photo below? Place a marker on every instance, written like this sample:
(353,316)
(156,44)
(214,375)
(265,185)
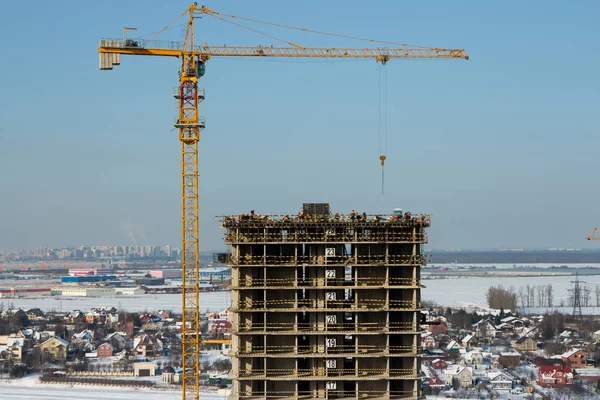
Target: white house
(474,358)
(463,374)
(500,380)
(485,330)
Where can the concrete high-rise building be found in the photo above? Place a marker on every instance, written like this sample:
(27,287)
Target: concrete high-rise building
(326,306)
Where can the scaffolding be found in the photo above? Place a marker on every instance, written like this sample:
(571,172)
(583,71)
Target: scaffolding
(326,307)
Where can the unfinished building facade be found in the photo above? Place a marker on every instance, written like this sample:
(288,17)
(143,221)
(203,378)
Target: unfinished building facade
(326,306)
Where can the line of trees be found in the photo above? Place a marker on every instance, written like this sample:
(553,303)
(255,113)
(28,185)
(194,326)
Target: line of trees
(536,296)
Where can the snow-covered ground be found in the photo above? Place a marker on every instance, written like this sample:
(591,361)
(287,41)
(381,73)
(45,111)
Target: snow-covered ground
(209,301)
(29,388)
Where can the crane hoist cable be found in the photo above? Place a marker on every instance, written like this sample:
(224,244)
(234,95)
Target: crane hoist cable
(382,121)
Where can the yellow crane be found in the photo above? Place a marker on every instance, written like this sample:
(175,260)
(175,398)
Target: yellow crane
(189,123)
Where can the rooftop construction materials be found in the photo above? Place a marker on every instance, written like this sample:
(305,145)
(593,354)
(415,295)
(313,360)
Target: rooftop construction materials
(326,307)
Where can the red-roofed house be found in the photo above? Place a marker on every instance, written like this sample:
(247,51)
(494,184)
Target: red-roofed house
(105,350)
(552,375)
(439,364)
(435,382)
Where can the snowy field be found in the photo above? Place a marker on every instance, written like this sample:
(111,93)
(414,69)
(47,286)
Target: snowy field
(209,301)
(29,388)
(453,291)
(458,291)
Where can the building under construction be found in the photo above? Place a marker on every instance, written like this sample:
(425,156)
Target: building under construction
(326,306)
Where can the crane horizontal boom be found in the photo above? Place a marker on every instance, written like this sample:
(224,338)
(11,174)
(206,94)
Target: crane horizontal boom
(175,49)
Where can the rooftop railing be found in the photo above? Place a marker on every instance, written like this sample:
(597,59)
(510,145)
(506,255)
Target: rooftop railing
(340,350)
(322,283)
(333,305)
(326,394)
(234,236)
(322,327)
(327,260)
(308,373)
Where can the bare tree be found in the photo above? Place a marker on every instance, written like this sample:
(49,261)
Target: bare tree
(523,296)
(587,296)
(530,296)
(597,295)
(549,295)
(542,298)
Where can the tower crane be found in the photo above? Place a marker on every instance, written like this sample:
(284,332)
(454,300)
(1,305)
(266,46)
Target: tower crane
(189,123)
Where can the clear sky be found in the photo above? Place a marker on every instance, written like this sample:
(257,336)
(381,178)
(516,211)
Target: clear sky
(501,149)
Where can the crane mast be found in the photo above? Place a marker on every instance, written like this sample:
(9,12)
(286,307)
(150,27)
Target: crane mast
(189,123)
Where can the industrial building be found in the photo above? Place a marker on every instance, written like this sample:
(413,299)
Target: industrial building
(87,278)
(24,292)
(326,306)
(165,273)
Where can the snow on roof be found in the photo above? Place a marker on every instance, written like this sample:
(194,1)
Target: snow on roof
(510,354)
(570,353)
(452,344)
(494,375)
(508,319)
(522,339)
(588,372)
(467,338)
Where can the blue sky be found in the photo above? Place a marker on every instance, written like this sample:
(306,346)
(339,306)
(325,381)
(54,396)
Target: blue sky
(501,149)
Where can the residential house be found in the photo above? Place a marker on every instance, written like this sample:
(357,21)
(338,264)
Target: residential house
(439,326)
(150,327)
(525,343)
(552,375)
(505,327)
(129,325)
(220,328)
(104,350)
(574,358)
(517,323)
(463,374)
(429,342)
(509,359)
(226,315)
(147,346)
(435,381)
(596,336)
(473,358)
(118,340)
(11,346)
(485,330)
(84,335)
(54,349)
(468,341)
(35,314)
(500,380)
(438,363)
(453,346)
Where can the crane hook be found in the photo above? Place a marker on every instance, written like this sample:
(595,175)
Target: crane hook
(382,159)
